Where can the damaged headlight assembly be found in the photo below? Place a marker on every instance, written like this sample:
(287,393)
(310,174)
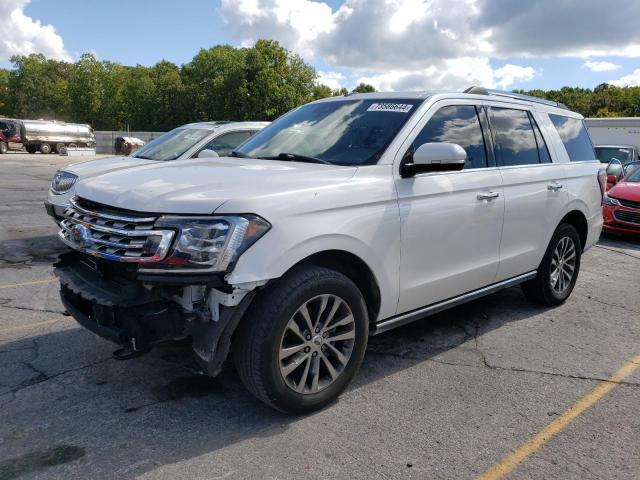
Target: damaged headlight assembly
(208,244)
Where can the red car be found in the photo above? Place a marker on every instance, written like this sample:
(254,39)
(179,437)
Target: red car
(621,203)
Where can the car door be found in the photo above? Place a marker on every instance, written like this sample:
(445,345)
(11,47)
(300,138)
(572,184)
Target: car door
(226,142)
(450,221)
(534,189)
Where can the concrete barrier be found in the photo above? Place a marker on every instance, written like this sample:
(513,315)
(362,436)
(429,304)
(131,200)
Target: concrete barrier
(105,140)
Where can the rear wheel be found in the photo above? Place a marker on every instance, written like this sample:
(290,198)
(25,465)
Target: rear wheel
(3,147)
(303,340)
(45,148)
(558,271)
(60,147)
(31,149)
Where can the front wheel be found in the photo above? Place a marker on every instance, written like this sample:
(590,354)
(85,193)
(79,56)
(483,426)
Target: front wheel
(558,271)
(3,147)
(303,340)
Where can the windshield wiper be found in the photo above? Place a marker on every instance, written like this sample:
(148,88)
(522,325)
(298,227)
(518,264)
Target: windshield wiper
(143,157)
(294,157)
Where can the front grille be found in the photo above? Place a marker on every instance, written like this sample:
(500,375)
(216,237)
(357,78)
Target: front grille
(627,216)
(629,203)
(110,234)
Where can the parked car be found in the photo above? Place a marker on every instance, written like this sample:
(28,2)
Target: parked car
(204,139)
(621,203)
(344,218)
(623,153)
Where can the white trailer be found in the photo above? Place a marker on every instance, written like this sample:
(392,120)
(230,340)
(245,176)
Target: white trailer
(615,138)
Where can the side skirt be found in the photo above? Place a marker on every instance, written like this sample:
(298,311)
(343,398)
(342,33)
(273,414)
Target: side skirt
(412,316)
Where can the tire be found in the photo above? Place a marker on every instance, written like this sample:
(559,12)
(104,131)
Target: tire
(31,149)
(551,287)
(266,331)
(3,147)
(45,148)
(60,147)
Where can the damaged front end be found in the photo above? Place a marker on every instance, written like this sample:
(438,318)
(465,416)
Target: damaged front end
(137,280)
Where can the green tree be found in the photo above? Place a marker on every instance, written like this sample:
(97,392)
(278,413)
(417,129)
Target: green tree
(364,88)
(4,92)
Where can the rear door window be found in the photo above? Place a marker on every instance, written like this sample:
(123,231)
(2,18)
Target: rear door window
(515,140)
(575,138)
(456,124)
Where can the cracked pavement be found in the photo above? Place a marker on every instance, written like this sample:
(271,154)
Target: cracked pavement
(443,398)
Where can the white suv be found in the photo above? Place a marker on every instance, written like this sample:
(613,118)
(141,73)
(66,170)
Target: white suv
(344,218)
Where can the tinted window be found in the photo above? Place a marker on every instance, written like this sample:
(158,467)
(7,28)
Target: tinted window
(456,124)
(543,151)
(348,131)
(515,140)
(226,143)
(606,154)
(575,138)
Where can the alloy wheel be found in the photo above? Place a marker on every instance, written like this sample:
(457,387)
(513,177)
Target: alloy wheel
(563,264)
(317,344)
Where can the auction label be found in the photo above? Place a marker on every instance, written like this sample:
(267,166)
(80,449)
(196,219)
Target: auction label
(390,107)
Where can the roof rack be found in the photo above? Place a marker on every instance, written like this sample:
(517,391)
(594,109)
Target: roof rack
(499,93)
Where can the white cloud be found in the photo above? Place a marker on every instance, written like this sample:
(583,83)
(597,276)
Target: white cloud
(331,79)
(631,80)
(21,35)
(400,44)
(602,66)
(455,74)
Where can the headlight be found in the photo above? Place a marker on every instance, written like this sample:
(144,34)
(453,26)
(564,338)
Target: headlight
(209,243)
(612,202)
(62,182)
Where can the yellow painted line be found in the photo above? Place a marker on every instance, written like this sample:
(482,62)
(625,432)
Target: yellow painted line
(24,284)
(30,325)
(513,459)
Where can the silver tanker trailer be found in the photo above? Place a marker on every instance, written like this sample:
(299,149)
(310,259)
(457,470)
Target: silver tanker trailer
(53,136)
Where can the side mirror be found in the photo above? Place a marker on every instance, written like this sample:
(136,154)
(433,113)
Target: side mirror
(435,157)
(206,153)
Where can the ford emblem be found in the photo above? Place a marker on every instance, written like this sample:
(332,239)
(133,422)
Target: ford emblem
(81,235)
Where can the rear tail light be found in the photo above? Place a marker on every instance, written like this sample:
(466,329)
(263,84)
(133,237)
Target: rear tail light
(602,181)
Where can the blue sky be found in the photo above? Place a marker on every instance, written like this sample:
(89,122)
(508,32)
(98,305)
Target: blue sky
(394,44)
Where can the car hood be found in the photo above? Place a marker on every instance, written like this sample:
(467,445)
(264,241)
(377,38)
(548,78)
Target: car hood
(104,165)
(200,186)
(626,191)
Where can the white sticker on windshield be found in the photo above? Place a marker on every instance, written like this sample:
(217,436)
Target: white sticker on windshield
(390,107)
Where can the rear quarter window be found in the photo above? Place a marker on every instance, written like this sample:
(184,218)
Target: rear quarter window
(575,138)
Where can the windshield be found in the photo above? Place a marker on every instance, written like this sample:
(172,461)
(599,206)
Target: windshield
(172,144)
(340,132)
(633,172)
(606,154)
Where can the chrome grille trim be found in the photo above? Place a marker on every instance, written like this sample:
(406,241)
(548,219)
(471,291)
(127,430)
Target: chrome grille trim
(113,237)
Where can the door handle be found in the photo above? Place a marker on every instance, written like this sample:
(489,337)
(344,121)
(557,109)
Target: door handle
(554,187)
(487,195)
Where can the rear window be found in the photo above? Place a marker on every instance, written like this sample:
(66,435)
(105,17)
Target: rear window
(575,137)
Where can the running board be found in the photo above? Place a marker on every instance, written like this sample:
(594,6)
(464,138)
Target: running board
(420,313)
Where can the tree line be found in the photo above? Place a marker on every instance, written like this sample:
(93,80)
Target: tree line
(260,82)
(221,83)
